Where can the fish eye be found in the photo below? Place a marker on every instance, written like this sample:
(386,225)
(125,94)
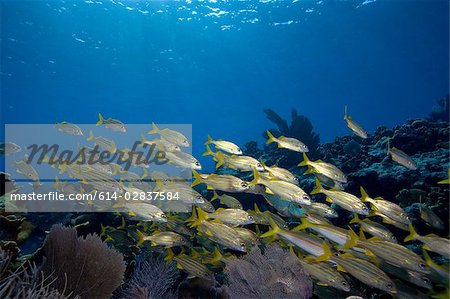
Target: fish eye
(244,185)
(259,165)
(243,245)
(422,265)
(389,285)
(306,197)
(206,274)
(336,254)
(250,217)
(426,280)
(344,283)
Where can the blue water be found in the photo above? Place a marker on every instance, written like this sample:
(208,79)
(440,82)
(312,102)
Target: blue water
(218,65)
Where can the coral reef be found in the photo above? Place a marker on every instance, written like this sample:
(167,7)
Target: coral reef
(84,266)
(5,259)
(276,273)
(30,282)
(152,278)
(425,141)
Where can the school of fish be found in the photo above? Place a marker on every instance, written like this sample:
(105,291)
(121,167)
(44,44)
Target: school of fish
(200,236)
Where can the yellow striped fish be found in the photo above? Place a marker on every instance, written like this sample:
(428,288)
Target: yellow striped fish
(392,253)
(343,199)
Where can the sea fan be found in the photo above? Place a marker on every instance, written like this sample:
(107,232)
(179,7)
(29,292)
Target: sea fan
(5,258)
(275,274)
(152,278)
(82,266)
(29,282)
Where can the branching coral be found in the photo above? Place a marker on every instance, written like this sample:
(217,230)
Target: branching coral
(275,274)
(82,266)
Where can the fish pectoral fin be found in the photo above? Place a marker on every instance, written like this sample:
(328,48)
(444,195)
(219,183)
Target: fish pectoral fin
(209,187)
(179,266)
(209,233)
(321,284)
(329,200)
(339,268)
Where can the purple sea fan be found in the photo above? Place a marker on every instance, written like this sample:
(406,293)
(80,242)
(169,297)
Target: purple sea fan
(29,282)
(152,278)
(275,274)
(82,266)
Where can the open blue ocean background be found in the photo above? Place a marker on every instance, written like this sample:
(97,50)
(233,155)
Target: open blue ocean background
(218,64)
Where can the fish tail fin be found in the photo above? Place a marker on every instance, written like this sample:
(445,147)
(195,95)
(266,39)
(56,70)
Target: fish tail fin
(256,177)
(326,253)
(115,169)
(256,208)
(319,187)
(217,257)
(273,231)
(62,168)
(100,119)
(193,216)
(305,161)
(220,159)
(141,236)
(154,129)
(197,178)
(364,195)
(345,113)
(208,152)
(271,137)
(304,225)
(209,140)
(123,224)
(144,173)
(353,241)
(215,196)
(102,230)
(201,216)
(142,140)
(355,218)
(57,182)
(170,255)
(413,234)
(91,136)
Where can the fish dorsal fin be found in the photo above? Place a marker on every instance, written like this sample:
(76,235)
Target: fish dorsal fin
(432,235)
(268,191)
